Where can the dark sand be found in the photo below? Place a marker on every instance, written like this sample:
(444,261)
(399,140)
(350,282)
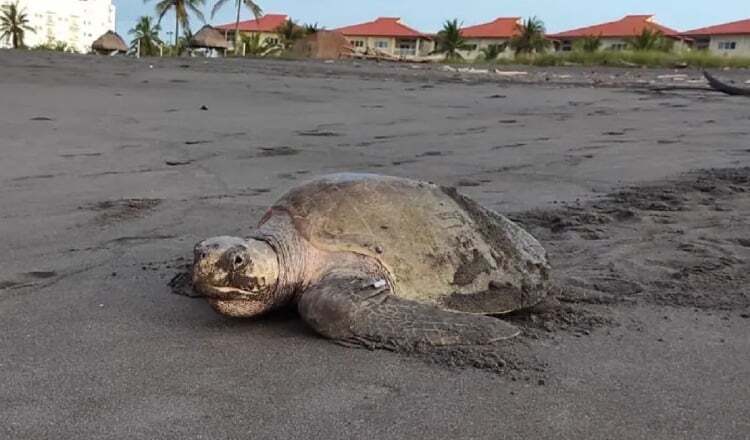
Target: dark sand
(111,170)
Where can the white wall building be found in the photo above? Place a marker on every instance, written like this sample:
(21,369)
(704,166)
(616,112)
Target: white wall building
(729,39)
(75,22)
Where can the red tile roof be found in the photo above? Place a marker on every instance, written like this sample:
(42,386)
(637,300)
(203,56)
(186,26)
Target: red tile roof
(381,27)
(734,28)
(503,27)
(266,23)
(628,26)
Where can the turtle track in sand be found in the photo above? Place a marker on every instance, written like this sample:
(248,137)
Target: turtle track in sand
(679,243)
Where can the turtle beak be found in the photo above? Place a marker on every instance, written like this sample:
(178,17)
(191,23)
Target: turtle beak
(214,262)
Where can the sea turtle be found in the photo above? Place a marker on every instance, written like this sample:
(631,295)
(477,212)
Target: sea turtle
(379,261)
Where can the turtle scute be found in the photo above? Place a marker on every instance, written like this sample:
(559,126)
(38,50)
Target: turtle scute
(438,247)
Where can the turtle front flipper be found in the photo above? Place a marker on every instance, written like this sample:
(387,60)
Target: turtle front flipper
(356,310)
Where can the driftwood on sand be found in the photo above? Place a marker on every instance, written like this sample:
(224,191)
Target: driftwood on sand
(723,87)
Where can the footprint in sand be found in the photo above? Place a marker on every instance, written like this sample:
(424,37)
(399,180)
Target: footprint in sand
(278,151)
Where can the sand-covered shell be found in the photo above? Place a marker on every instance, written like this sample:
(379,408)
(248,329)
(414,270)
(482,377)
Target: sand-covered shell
(438,246)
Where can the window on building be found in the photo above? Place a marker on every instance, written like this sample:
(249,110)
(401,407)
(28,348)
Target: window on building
(702,43)
(382,44)
(471,47)
(358,43)
(618,46)
(272,41)
(727,45)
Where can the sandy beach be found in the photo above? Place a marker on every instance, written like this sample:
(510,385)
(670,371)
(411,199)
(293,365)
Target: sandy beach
(636,181)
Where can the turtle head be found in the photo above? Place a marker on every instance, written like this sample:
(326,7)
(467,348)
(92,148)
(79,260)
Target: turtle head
(238,277)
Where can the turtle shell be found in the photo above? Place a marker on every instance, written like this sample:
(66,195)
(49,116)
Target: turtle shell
(439,247)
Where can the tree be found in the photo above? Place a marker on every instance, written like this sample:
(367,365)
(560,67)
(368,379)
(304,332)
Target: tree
(590,44)
(146,37)
(55,46)
(529,37)
(450,41)
(289,32)
(254,46)
(311,28)
(182,9)
(254,8)
(14,24)
(650,40)
(493,51)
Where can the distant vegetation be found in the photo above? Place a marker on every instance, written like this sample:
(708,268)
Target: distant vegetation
(146,39)
(182,10)
(449,40)
(650,40)
(630,58)
(530,38)
(55,46)
(254,8)
(589,44)
(14,24)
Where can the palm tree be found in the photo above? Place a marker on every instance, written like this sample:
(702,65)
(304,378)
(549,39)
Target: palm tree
(493,51)
(530,37)
(183,43)
(181,13)
(289,32)
(450,41)
(146,36)
(312,28)
(255,47)
(591,43)
(14,24)
(254,8)
(650,40)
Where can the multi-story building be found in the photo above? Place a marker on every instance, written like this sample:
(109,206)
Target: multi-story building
(75,22)
(724,39)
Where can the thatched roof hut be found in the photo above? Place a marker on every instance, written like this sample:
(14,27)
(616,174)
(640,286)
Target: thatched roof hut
(108,43)
(326,45)
(209,38)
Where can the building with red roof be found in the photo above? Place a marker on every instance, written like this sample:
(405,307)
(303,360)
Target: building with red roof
(494,33)
(387,35)
(614,34)
(727,39)
(265,27)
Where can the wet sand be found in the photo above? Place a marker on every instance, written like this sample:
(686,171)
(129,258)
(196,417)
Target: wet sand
(112,168)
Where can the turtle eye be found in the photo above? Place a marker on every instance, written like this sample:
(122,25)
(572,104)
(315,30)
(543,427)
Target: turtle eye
(238,261)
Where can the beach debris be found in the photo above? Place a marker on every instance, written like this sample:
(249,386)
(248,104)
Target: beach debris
(675,77)
(473,70)
(510,72)
(449,69)
(723,87)
(177,163)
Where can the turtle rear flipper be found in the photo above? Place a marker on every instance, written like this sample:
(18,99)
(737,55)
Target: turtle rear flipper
(355,310)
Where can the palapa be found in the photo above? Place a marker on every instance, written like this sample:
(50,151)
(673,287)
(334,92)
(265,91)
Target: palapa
(109,42)
(209,38)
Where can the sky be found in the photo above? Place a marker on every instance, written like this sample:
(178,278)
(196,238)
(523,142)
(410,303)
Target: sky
(428,15)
